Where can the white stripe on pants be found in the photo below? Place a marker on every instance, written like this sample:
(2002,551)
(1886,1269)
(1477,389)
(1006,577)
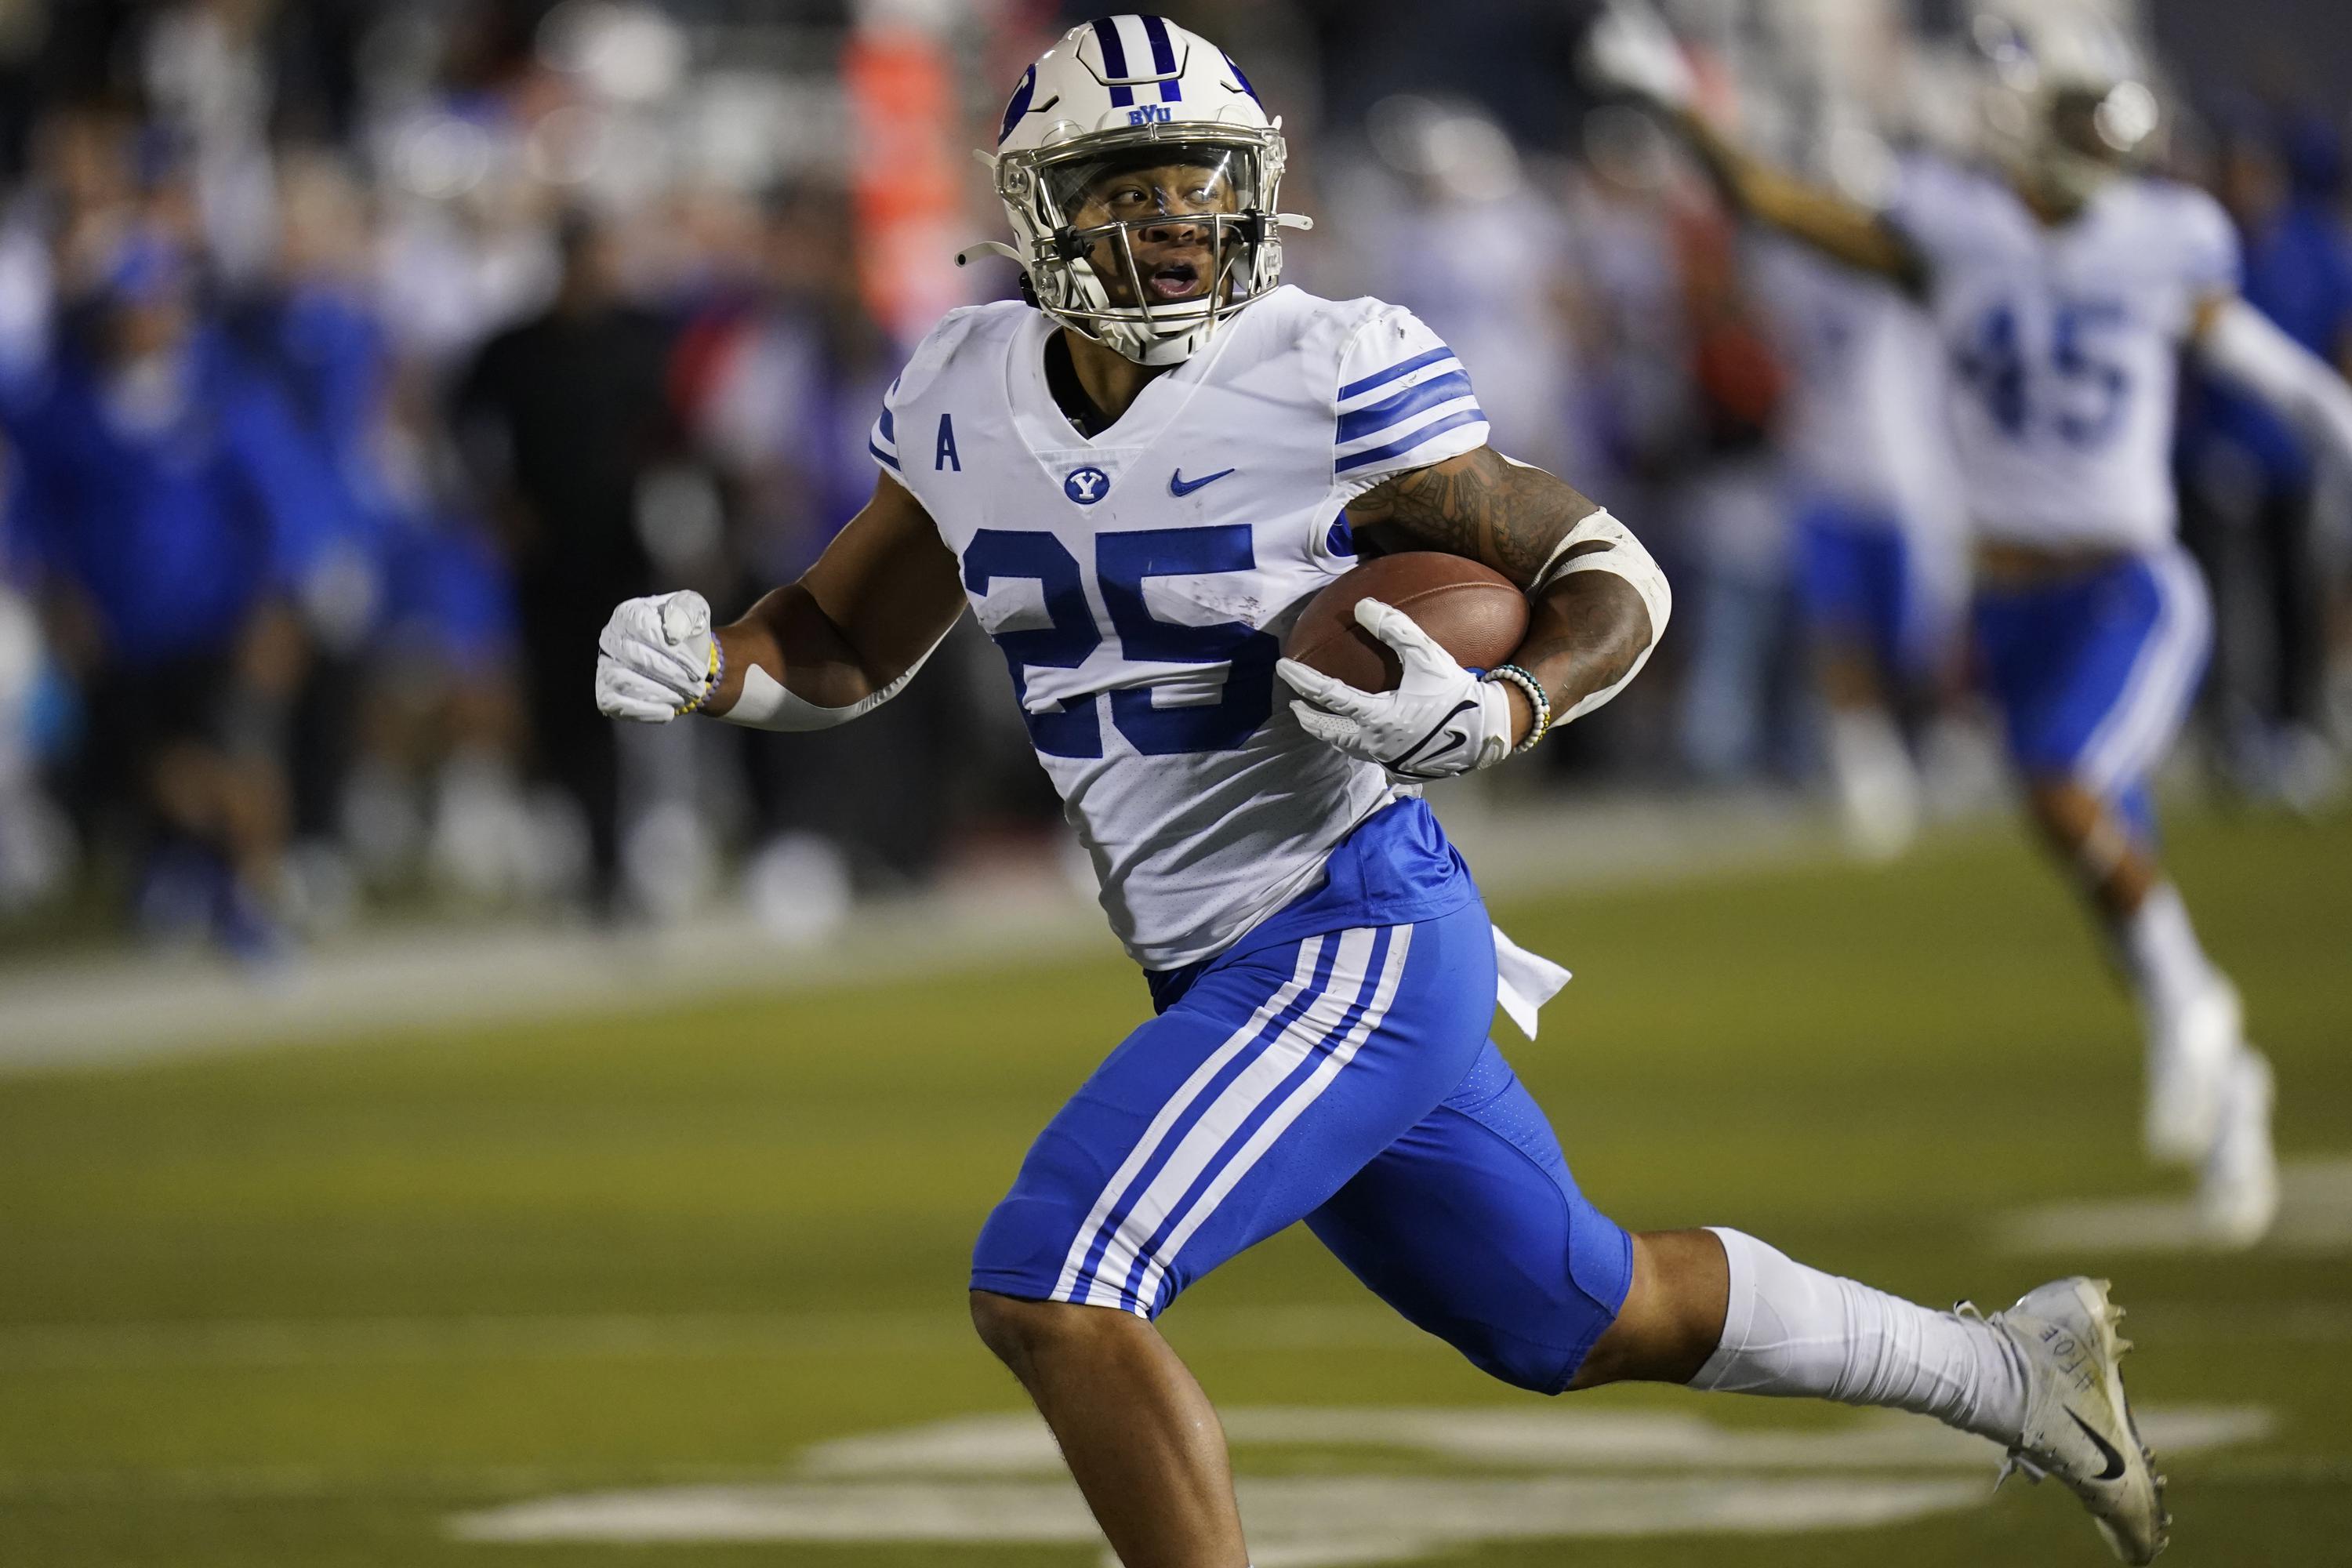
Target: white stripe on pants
(1207,1137)
(2133,737)
(1310,952)
(1274,1126)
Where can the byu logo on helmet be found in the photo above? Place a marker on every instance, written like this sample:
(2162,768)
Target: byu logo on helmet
(1087,486)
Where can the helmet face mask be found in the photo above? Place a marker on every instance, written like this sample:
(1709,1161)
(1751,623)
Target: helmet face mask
(2064,109)
(1143,224)
(1145,245)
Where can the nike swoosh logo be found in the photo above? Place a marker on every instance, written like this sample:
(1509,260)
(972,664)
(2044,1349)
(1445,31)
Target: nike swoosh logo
(2106,1449)
(1413,762)
(1421,767)
(1177,485)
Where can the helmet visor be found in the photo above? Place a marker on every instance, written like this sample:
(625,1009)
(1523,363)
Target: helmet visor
(1165,225)
(1156,181)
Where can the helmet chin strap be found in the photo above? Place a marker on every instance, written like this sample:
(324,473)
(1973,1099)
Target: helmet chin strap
(985,248)
(1174,349)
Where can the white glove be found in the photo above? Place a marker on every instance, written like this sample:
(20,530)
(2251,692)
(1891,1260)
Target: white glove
(1440,721)
(655,658)
(1631,50)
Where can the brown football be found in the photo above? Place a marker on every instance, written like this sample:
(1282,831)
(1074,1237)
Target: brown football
(1474,612)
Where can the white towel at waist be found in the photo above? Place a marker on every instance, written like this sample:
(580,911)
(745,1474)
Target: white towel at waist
(1523,982)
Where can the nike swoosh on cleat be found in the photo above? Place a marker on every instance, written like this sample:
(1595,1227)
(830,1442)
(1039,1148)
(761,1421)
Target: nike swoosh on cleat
(1177,485)
(2106,1449)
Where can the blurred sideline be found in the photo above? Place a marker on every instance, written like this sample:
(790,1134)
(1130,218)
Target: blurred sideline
(127,1008)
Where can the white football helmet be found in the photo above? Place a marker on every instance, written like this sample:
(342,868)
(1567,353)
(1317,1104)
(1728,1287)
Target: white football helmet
(2066,105)
(1140,172)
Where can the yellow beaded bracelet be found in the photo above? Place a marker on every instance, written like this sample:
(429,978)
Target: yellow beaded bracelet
(712,677)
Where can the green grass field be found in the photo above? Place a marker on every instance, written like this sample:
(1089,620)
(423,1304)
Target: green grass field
(306,1307)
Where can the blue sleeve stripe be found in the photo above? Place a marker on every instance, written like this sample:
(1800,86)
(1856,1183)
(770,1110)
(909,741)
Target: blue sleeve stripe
(1381,378)
(889,425)
(1407,443)
(878,452)
(1373,419)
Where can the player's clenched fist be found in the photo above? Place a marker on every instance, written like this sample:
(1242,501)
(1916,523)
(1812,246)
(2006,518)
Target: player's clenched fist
(657,658)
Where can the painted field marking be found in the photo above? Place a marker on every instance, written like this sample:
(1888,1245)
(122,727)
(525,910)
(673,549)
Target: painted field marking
(996,1479)
(2315,1218)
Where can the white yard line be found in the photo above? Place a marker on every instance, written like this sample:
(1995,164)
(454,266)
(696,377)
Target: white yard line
(99,1011)
(1501,1473)
(107,1012)
(2314,1218)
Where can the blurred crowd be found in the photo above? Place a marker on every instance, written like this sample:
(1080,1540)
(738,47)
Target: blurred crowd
(356,358)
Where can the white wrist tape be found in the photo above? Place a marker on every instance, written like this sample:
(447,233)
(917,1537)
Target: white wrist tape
(767,703)
(2245,346)
(1621,555)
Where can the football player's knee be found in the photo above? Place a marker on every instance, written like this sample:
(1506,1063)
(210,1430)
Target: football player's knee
(1538,1366)
(1001,1323)
(1021,1332)
(2085,829)
(2066,811)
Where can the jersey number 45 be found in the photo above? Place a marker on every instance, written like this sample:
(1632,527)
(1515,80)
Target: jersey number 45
(2064,386)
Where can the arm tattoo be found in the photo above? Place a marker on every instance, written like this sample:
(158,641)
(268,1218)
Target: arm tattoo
(1583,634)
(1479,505)
(1584,630)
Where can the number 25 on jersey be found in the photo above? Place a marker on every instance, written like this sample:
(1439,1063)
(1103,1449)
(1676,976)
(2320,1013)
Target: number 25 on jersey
(1123,561)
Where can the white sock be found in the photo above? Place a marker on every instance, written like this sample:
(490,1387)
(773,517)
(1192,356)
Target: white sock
(2169,968)
(1797,1332)
(1877,783)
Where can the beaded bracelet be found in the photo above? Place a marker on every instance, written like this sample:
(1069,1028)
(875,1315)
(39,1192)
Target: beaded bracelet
(1537,699)
(717,673)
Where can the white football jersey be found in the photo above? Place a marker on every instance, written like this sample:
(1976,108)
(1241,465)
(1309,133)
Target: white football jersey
(1140,582)
(2063,345)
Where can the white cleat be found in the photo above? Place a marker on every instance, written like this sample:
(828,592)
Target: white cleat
(2189,1060)
(2238,1193)
(2077,1426)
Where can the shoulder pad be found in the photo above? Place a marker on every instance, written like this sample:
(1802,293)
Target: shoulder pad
(966,324)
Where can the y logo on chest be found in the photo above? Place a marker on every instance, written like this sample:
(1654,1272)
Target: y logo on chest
(1085,485)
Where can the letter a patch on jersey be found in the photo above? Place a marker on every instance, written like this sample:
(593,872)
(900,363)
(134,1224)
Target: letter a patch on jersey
(945,456)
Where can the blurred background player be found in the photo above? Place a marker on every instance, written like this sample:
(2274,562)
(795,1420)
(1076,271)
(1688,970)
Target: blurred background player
(564,416)
(1878,566)
(2065,283)
(172,508)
